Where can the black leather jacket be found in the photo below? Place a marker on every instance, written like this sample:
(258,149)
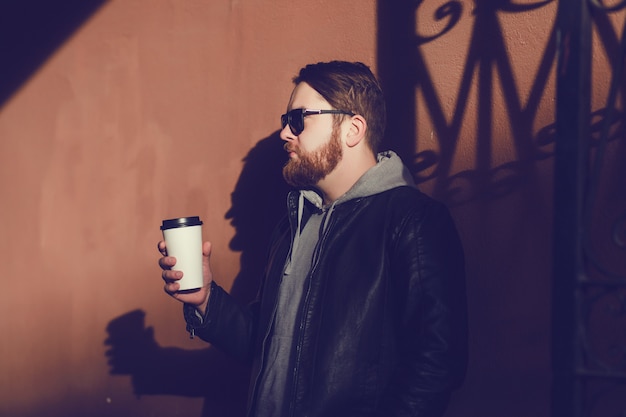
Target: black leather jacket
(382,328)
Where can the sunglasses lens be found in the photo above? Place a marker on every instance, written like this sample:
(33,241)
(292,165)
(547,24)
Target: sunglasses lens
(296,121)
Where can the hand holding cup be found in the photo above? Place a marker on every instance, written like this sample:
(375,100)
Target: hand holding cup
(185,262)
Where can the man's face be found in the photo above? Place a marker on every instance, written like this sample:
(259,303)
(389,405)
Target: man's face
(308,168)
(317,150)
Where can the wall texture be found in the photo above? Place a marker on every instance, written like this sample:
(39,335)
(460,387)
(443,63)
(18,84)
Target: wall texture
(126,113)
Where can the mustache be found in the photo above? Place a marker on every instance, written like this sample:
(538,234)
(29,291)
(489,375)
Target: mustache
(290,148)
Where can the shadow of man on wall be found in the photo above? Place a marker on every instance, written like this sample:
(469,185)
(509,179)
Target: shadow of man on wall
(258,202)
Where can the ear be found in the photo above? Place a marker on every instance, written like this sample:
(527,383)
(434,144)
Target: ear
(356,130)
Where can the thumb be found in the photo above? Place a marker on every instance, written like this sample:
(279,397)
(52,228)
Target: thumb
(206,264)
(206,249)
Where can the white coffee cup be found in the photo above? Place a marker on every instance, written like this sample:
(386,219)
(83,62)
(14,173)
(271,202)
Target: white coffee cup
(183,239)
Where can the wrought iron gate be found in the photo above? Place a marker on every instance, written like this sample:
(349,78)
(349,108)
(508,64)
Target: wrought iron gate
(589,280)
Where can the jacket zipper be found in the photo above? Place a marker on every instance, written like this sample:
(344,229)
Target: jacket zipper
(269,330)
(314,264)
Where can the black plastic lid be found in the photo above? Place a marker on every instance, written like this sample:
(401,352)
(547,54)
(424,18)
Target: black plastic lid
(181,222)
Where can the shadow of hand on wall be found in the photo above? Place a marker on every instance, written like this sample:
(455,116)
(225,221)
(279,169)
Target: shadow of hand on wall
(258,202)
(156,370)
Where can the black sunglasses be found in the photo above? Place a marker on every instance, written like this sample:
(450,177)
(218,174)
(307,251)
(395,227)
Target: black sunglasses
(295,118)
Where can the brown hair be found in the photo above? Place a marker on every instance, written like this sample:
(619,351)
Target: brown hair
(350,86)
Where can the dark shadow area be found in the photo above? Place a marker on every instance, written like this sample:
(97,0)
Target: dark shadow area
(258,202)
(157,370)
(493,198)
(30,31)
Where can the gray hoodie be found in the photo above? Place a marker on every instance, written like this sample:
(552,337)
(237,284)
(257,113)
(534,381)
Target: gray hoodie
(388,173)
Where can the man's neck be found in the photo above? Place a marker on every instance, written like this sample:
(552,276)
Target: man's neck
(343,177)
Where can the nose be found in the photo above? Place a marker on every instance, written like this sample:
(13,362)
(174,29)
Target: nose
(286,134)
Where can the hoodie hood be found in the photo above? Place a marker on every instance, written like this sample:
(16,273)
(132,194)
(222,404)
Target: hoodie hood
(389,172)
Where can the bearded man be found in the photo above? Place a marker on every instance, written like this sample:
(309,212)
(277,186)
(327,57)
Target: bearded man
(362,310)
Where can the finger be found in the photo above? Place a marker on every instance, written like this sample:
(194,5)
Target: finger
(167,262)
(161,247)
(171,288)
(171,281)
(170,276)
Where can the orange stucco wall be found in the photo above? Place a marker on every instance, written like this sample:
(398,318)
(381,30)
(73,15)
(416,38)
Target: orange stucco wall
(152,109)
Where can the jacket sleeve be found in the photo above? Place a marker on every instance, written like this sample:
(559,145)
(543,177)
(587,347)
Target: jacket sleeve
(226,324)
(428,264)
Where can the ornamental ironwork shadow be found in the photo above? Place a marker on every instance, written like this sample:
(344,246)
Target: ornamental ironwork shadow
(404,70)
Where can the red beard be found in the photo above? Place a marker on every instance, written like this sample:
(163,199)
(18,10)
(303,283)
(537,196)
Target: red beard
(310,167)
